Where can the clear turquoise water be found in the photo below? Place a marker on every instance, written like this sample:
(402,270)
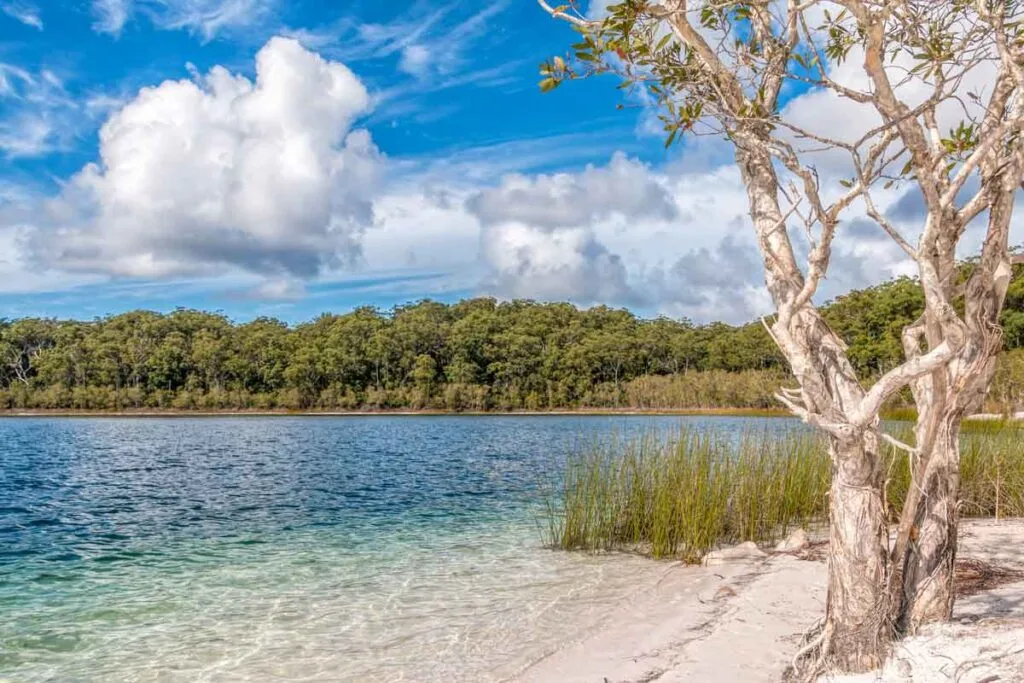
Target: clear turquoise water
(288,549)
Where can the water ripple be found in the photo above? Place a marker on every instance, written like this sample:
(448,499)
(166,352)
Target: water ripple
(379,548)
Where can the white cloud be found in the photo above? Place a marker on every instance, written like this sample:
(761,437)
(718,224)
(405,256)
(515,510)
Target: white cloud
(825,113)
(538,238)
(623,187)
(721,282)
(424,228)
(24,12)
(205,18)
(567,264)
(39,116)
(439,46)
(111,15)
(200,177)
(268,183)
(415,60)
(279,289)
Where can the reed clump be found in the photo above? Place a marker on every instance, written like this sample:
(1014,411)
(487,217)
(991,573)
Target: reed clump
(684,493)
(991,470)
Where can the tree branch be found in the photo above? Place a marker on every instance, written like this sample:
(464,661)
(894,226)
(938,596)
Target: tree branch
(901,376)
(558,14)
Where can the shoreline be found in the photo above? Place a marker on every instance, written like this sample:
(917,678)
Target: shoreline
(743,621)
(582,412)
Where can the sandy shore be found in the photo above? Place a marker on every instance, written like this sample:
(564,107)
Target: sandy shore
(743,622)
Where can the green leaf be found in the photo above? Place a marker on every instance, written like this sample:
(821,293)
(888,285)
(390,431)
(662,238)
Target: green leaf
(548,84)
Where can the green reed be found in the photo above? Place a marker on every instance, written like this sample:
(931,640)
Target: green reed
(684,493)
(991,469)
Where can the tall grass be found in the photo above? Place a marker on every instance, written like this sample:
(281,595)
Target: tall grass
(684,493)
(991,470)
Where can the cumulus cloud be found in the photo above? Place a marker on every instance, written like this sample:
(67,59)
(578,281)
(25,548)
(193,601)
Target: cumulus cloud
(569,264)
(267,182)
(721,282)
(624,187)
(538,237)
(201,176)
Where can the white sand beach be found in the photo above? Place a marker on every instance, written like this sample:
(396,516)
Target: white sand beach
(742,621)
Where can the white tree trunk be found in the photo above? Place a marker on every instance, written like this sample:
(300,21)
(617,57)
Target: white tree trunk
(924,554)
(925,550)
(857,632)
(928,575)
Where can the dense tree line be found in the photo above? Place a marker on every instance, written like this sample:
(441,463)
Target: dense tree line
(477,354)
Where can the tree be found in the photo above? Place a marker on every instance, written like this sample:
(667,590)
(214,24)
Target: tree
(21,342)
(720,67)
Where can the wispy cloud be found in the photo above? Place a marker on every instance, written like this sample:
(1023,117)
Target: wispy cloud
(486,163)
(39,114)
(204,18)
(351,40)
(24,12)
(429,49)
(110,16)
(208,18)
(429,44)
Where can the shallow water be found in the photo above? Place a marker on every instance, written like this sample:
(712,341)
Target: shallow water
(294,549)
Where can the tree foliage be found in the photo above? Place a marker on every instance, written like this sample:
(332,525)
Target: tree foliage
(476,354)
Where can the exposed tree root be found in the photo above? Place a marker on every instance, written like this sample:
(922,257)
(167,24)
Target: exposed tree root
(808,662)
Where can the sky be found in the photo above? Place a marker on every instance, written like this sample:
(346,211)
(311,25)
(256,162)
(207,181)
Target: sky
(288,158)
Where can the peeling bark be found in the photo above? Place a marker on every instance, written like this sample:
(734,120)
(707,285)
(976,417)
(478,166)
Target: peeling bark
(925,549)
(856,633)
(856,629)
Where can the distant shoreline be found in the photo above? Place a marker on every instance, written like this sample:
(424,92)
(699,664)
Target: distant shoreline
(583,412)
(171,412)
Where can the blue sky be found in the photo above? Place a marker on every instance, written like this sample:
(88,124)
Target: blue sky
(466,96)
(286,158)
(486,95)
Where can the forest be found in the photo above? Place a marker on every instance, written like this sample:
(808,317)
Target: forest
(475,355)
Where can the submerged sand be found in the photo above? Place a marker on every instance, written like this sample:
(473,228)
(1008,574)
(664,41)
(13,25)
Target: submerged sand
(743,622)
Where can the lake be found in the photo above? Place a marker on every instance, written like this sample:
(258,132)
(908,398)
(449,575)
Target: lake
(383,548)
